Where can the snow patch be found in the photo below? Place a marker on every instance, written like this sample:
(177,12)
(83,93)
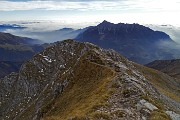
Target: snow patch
(47,59)
(41,70)
(72,53)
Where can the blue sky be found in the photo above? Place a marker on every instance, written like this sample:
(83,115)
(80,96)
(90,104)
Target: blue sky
(129,11)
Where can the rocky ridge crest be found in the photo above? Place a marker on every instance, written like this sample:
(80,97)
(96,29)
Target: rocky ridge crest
(73,80)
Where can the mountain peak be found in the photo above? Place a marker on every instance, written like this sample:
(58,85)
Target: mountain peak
(105,21)
(105,24)
(129,40)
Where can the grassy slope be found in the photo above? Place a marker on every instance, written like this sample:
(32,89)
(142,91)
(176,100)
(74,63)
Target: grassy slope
(164,83)
(87,90)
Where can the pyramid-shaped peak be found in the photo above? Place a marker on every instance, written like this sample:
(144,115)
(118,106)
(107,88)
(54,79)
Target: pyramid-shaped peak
(105,24)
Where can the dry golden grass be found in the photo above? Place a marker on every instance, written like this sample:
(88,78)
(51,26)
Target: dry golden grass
(86,91)
(159,115)
(162,82)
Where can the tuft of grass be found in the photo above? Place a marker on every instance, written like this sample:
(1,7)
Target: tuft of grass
(101,115)
(159,115)
(126,93)
(119,113)
(115,85)
(158,103)
(79,118)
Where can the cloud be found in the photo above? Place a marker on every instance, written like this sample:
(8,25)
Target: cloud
(58,5)
(46,31)
(173,31)
(148,5)
(170,47)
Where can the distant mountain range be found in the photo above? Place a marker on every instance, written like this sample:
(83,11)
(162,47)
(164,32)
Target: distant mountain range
(53,35)
(17,49)
(7,38)
(137,42)
(4,27)
(14,50)
(170,67)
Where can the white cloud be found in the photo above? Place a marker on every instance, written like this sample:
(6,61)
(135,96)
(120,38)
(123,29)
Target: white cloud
(58,5)
(144,5)
(173,31)
(128,11)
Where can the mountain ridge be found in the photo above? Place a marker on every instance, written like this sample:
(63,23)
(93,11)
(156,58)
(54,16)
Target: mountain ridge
(17,49)
(73,80)
(7,38)
(170,67)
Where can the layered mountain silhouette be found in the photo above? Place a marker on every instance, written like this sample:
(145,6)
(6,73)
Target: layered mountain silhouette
(56,35)
(15,48)
(81,81)
(137,42)
(6,67)
(4,27)
(7,38)
(171,67)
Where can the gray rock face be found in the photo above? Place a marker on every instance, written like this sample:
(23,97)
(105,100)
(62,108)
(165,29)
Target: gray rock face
(42,73)
(42,79)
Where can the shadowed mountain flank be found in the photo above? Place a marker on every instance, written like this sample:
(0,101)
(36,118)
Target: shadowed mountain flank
(136,42)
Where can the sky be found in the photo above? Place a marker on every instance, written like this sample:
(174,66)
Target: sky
(79,11)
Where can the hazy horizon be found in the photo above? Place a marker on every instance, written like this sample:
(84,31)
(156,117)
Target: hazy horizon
(92,11)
